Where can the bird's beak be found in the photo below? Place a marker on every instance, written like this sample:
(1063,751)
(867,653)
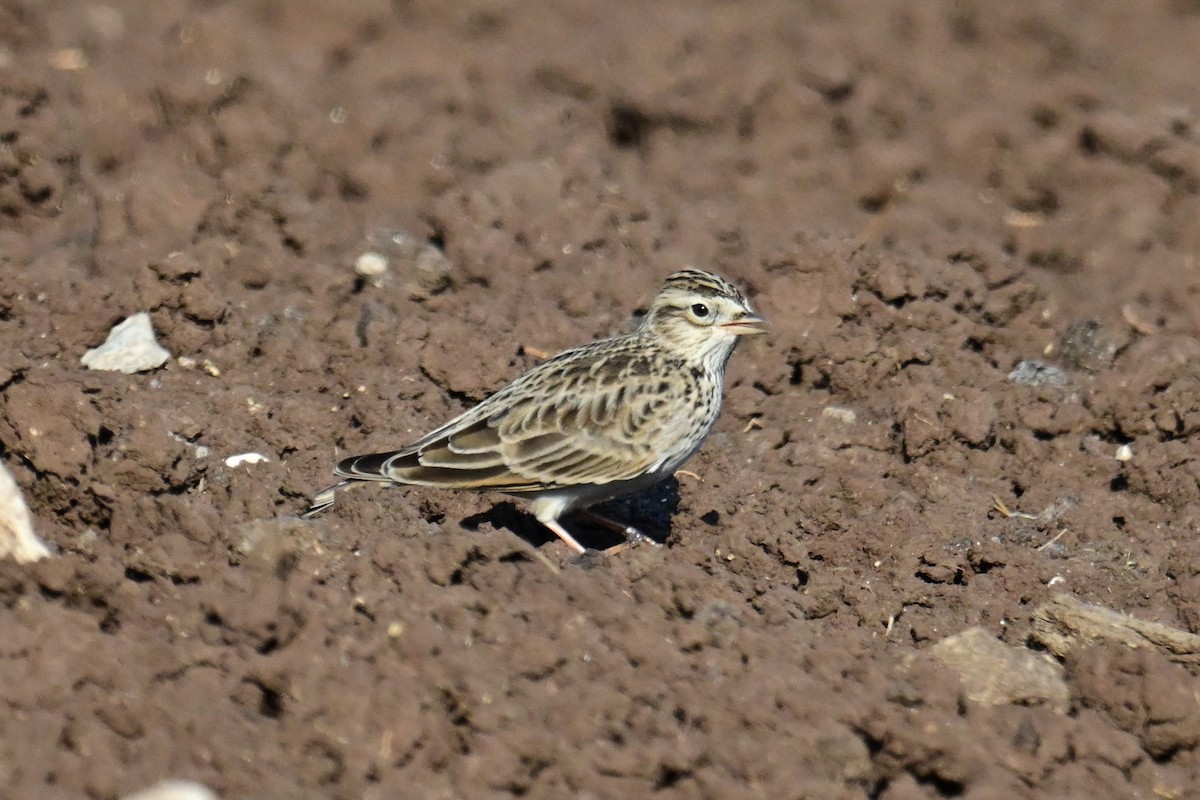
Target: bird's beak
(749,324)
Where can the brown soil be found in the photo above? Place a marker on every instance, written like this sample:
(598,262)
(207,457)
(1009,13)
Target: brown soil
(919,195)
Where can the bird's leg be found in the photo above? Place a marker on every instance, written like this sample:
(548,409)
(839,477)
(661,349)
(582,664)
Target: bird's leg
(633,536)
(562,533)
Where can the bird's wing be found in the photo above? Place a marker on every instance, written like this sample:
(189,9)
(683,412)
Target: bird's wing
(598,427)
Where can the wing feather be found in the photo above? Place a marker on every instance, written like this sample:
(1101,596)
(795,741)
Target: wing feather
(477,438)
(529,437)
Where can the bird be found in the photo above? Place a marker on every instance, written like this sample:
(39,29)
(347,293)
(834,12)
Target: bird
(593,423)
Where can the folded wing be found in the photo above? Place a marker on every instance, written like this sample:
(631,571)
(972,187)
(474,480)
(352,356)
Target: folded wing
(598,434)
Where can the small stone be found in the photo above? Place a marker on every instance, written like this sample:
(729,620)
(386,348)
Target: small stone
(1036,373)
(433,271)
(245,458)
(1124,453)
(1087,345)
(422,266)
(69,59)
(840,413)
(174,790)
(130,347)
(371,265)
(17,538)
(994,673)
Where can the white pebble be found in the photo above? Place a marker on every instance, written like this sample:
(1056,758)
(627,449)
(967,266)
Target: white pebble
(371,265)
(1124,453)
(1056,580)
(840,413)
(245,458)
(174,790)
(130,347)
(17,538)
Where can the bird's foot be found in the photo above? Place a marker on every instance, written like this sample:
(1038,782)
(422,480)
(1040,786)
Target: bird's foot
(633,536)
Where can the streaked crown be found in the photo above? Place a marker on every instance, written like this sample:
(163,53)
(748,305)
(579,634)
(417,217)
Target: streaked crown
(703,283)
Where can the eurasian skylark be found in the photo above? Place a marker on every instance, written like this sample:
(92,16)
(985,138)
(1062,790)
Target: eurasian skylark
(593,423)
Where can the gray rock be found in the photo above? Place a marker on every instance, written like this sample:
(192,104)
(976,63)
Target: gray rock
(1036,373)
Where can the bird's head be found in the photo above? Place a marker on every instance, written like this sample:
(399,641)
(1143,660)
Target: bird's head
(700,316)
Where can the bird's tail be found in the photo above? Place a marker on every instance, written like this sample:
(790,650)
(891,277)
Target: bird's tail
(323,499)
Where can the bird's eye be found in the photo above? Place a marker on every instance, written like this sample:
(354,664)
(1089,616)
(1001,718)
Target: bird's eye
(700,310)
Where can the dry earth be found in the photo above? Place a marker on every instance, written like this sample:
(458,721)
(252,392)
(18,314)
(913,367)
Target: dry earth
(920,196)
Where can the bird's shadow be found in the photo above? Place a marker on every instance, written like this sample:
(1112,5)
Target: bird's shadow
(649,511)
